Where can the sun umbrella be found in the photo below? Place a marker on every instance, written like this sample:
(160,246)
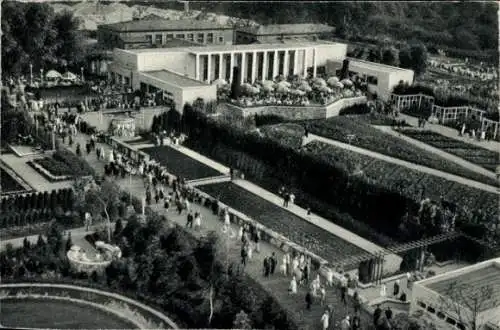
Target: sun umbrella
(281,88)
(285,83)
(267,83)
(69,76)
(346,82)
(332,81)
(268,88)
(53,74)
(219,82)
(339,85)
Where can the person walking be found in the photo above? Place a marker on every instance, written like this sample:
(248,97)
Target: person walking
(293,286)
(273,262)
(78,150)
(322,294)
(309,300)
(346,323)
(388,313)
(283,265)
(383,291)
(356,301)
(343,293)
(190,219)
(266,266)
(325,320)
(243,255)
(286,199)
(197,221)
(356,321)
(157,196)
(376,315)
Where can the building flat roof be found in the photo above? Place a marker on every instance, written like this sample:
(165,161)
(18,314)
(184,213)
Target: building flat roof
(237,48)
(174,78)
(163,25)
(377,66)
(279,29)
(469,283)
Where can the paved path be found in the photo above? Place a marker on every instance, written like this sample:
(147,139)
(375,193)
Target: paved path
(460,161)
(32,177)
(452,133)
(276,285)
(424,169)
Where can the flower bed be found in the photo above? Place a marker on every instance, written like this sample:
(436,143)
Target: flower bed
(319,241)
(289,134)
(403,180)
(367,137)
(9,184)
(180,164)
(78,166)
(474,154)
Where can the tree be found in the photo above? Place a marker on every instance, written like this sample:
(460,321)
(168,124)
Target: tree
(236,83)
(405,60)
(468,302)
(344,72)
(419,56)
(212,257)
(101,199)
(390,56)
(118,228)
(242,321)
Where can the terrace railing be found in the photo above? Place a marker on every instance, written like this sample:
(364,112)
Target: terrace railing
(445,114)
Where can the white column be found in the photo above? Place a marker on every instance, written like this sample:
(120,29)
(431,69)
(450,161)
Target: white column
(295,61)
(314,62)
(197,67)
(220,65)
(286,64)
(231,68)
(209,67)
(254,66)
(305,62)
(264,66)
(243,66)
(275,64)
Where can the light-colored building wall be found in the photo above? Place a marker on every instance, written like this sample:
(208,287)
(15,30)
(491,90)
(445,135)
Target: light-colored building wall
(207,93)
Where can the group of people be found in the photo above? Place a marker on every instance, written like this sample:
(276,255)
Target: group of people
(479,135)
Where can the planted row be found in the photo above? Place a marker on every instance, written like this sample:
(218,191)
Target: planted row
(38,201)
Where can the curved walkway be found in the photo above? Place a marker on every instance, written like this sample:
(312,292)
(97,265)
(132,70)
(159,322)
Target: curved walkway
(439,152)
(424,169)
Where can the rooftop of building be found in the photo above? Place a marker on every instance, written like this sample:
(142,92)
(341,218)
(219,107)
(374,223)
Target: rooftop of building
(378,66)
(237,48)
(151,25)
(469,282)
(174,78)
(279,29)
(172,43)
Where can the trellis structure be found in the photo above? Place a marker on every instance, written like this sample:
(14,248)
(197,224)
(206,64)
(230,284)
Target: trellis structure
(445,114)
(378,258)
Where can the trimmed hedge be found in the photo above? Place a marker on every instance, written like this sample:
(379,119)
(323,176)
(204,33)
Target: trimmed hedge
(78,166)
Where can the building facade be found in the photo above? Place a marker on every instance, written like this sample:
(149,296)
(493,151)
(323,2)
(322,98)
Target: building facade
(267,34)
(454,300)
(157,33)
(380,78)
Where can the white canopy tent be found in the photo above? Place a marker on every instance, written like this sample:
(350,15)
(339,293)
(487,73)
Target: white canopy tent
(69,76)
(53,74)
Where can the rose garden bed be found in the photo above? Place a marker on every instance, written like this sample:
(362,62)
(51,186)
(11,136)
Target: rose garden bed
(326,245)
(338,128)
(406,181)
(180,164)
(474,154)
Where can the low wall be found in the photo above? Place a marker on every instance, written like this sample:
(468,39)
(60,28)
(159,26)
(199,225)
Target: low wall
(298,112)
(145,317)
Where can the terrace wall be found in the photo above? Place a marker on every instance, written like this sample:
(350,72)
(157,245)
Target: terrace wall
(298,112)
(131,310)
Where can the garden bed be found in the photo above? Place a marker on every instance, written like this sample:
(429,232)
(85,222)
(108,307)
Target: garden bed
(179,164)
(474,154)
(370,138)
(408,182)
(9,184)
(326,245)
(42,167)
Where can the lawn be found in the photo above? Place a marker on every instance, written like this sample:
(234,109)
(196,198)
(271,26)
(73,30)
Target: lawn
(46,314)
(474,154)
(338,128)
(404,180)
(9,184)
(321,242)
(289,134)
(179,164)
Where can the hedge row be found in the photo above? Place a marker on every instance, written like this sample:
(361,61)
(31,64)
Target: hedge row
(78,166)
(38,201)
